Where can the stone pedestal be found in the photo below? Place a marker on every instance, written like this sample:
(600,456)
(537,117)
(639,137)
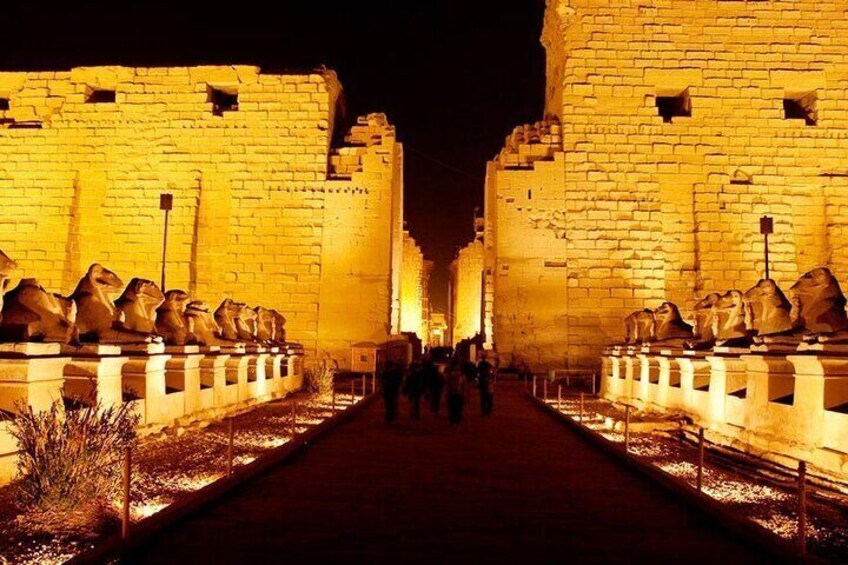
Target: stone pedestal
(274,373)
(94,375)
(182,374)
(293,381)
(729,390)
(31,374)
(773,402)
(213,379)
(144,378)
(695,383)
(237,366)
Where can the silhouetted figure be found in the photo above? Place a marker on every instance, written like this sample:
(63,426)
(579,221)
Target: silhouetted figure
(414,388)
(392,379)
(455,384)
(485,382)
(435,383)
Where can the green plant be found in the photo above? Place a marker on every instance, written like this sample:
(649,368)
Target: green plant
(72,459)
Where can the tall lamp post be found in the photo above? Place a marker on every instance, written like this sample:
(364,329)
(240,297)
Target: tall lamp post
(766,228)
(166,203)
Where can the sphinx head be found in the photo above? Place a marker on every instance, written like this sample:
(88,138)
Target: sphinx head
(766,308)
(818,303)
(143,291)
(175,300)
(7,266)
(99,279)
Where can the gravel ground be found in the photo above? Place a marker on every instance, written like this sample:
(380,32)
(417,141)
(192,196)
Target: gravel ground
(771,504)
(166,468)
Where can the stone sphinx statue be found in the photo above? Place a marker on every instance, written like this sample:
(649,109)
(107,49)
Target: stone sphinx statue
(30,313)
(99,320)
(246,323)
(279,328)
(225,316)
(703,331)
(137,306)
(670,326)
(818,306)
(6,268)
(201,324)
(640,327)
(264,325)
(768,314)
(171,320)
(729,320)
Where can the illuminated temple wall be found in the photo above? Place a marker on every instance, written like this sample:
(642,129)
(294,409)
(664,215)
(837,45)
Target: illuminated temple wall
(265,210)
(467,292)
(603,209)
(414,286)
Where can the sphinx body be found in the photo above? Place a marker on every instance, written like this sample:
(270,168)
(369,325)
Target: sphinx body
(225,316)
(137,306)
(170,319)
(703,331)
(30,313)
(640,327)
(201,324)
(729,320)
(264,325)
(6,268)
(768,314)
(245,322)
(818,306)
(97,315)
(279,328)
(670,327)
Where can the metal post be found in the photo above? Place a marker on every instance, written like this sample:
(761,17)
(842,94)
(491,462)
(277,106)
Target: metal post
(373,383)
(294,417)
(701,460)
(627,429)
(230,447)
(534,386)
(593,384)
(581,407)
(545,389)
(559,397)
(334,399)
(352,391)
(125,515)
(364,392)
(766,228)
(802,507)
(166,203)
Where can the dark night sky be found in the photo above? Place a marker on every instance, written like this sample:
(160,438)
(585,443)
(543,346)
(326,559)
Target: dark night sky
(454,76)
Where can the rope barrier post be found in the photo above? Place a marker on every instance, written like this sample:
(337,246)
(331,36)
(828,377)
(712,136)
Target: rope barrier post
(802,507)
(534,386)
(230,447)
(364,384)
(352,391)
(294,417)
(581,406)
(373,383)
(627,429)
(125,515)
(545,389)
(334,398)
(559,397)
(701,460)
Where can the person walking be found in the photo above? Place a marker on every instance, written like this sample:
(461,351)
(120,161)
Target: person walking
(435,383)
(414,389)
(456,383)
(485,382)
(392,379)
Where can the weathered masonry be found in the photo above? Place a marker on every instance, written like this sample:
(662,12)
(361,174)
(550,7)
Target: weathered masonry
(670,127)
(266,208)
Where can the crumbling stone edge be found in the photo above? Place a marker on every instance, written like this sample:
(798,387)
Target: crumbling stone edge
(113,547)
(711,509)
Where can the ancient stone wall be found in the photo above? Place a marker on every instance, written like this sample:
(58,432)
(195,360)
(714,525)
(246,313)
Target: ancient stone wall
(467,292)
(264,209)
(682,122)
(414,286)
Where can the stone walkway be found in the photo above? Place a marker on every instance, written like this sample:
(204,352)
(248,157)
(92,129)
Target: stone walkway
(516,487)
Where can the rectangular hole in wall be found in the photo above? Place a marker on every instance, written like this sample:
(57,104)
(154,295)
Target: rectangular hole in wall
(222,99)
(781,389)
(737,385)
(836,395)
(4,104)
(99,96)
(801,106)
(674,105)
(654,374)
(701,380)
(674,377)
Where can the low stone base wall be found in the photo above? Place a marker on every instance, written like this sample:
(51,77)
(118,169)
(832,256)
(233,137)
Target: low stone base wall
(166,386)
(781,406)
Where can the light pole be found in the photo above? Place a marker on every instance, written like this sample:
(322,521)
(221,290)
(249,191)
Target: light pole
(766,228)
(166,203)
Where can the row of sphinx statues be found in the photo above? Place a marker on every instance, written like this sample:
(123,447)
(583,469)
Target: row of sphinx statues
(103,310)
(814,312)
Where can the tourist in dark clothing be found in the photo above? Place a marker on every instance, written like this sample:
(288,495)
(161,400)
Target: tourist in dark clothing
(392,379)
(455,384)
(435,383)
(413,389)
(485,382)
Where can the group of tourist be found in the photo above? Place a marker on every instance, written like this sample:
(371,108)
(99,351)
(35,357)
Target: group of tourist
(426,380)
